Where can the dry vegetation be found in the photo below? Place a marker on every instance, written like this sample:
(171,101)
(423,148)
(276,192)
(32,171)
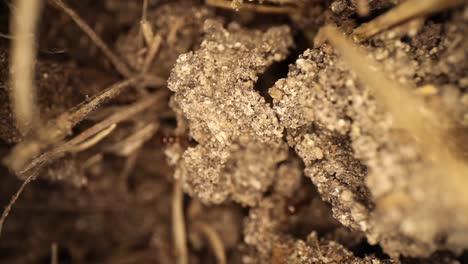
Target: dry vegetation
(244,131)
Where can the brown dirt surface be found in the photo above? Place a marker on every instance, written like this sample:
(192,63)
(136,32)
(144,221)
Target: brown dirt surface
(238,132)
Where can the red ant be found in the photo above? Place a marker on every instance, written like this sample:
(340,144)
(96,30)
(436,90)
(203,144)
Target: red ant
(184,141)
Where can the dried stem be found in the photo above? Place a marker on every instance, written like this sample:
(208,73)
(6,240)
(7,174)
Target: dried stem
(54,254)
(406,10)
(23,56)
(118,117)
(132,143)
(119,65)
(23,152)
(127,169)
(154,46)
(253,7)
(179,232)
(147,31)
(94,139)
(13,200)
(145,10)
(215,241)
(94,159)
(34,166)
(68,146)
(172,35)
(61,126)
(405,109)
(145,26)
(79,112)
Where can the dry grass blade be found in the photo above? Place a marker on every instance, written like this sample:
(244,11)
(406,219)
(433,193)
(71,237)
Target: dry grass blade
(406,10)
(128,167)
(154,45)
(215,241)
(23,56)
(172,35)
(78,113)
(34,166)
(61,126)
(152,51)
(116,118)
(54,254)
(92,160)
(179,232)
(132,143)
(147,31)
(94,140)
(13,200)
(432,139)
(259,8)
(145,10)
(119,65)
(146,28)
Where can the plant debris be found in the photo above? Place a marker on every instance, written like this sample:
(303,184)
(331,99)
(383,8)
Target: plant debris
(234,131)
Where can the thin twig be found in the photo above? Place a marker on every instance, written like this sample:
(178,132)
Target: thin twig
(23,56)
(133,142)
(13,200)
(153,49)
(399,14)
(54,254)
(259,8)
(215,241)
(116,118)
(147,32)
(127,169)
(92,160)
(145,10)
(317,245)
(35,165)
(119,65)
(23,152)
(94,139)
(154,45)
(79,112)
(179,232)
(145,26)
(172,35)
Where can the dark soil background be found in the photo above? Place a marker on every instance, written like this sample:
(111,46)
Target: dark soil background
(112,203)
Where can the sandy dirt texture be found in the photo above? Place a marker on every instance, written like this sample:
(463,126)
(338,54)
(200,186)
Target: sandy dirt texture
(234,131)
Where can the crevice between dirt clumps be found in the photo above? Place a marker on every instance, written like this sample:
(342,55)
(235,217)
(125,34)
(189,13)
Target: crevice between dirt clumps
(280,69)
(271,194)
(284,151)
